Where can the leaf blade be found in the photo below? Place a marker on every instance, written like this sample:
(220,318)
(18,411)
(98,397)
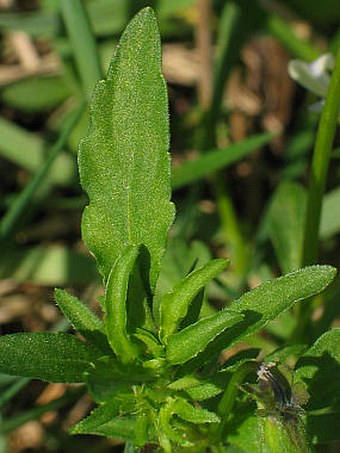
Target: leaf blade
(267,301)
(124,163)
(116,318)
(52,357)
(189,342)
(82,318)
(175,305)
(318,366)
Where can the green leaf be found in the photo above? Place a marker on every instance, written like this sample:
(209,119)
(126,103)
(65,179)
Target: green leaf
(197,389)
(267,301)
(124,164)
(109,421)
(192,340)
(175,305)
(110,377)
(193,414)
(319,370)
(177,262)
(51,357)
(330,215)
(245,434)
(82,319)
(286,222)
(116,306)
(212,161)
(324,427)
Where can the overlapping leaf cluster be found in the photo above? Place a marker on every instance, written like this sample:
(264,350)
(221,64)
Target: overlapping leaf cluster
(148,366)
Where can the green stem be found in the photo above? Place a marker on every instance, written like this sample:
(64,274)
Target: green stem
(16,209)
(320,164)
(282,435)
(83,43)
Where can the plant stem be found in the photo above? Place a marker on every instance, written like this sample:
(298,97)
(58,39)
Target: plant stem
(282,435)
(320,164)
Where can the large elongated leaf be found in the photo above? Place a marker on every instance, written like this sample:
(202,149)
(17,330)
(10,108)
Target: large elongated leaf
(124,163)
(190,341)
(267,301)
(175,305)
(52,357)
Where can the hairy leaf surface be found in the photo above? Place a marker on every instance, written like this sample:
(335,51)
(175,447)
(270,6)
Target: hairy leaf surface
(124,162)
(175,305)
(51,357)
(319,370)
(82,319)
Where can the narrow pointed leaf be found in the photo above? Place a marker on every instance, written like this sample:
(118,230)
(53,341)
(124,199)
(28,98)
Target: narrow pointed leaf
(267,301)
(116,306)
(270,299)
(124,162)
(51,357)
(175,305)
(82,318)
(192,340)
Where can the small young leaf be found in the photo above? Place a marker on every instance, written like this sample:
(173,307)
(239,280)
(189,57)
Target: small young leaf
(193,414)
(115,305)
(319,369)
(124,164)
(82,319)
(51,357)
(175,305)
(190,341)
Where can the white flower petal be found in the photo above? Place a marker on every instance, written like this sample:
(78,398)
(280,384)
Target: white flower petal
(313,76)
